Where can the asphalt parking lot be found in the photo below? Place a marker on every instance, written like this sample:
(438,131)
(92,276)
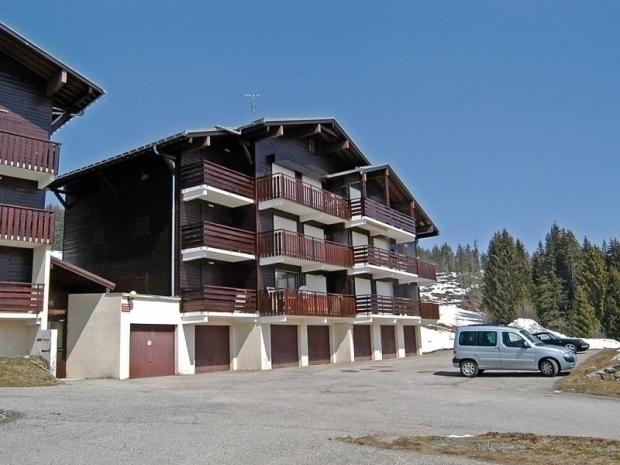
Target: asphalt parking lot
(286,416)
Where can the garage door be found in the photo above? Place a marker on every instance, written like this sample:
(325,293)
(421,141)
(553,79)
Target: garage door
(410,341)
(361,343)
(151,351)
(284,351)
(318,345)
(388,341)
(212,349)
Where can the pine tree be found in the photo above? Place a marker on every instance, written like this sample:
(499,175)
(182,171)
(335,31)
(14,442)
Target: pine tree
(611,318)
(583,321)
(593,277)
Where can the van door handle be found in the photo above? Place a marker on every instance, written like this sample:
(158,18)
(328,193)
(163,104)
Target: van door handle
(497,349)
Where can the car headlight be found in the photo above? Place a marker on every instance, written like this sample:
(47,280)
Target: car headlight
(569,358)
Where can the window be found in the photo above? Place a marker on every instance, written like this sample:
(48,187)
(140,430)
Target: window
(513,340)
(141,227)
(543,337)
(478,338)
(287,280)
(311,146)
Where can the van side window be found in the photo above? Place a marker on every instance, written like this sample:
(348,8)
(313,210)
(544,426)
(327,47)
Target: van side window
(513,340)
(478,338)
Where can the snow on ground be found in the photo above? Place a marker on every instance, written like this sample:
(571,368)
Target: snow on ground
(533,326)
(436,339)
(453,315)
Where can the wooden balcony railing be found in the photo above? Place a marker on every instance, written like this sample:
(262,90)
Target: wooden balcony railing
(21,297)
(429,311)
(305,303)
(383,213)
(218,236)
(212,174)
(218,299)
(28,152)
(427,270)
(281,186)
(26,224)
(289,244)
(382,304)
(364,254)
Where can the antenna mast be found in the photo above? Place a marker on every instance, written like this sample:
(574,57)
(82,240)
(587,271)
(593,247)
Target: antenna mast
(253,98)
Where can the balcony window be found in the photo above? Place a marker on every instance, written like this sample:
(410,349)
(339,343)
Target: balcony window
(287,279)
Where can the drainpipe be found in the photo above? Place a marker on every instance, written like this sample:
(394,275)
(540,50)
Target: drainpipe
(172,167)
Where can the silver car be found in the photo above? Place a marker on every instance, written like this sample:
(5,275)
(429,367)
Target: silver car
(484,347)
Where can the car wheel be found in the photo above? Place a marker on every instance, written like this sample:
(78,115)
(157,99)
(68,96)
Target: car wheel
(548,368)
(572,347)
(469,368)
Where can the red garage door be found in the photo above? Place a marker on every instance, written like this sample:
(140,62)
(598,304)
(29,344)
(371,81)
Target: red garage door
(284,351)
(361,343)
(410,342)
(151,351)
(388,341)
(212,349)
(318,345)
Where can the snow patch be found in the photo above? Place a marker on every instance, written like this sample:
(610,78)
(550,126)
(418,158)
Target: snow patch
(533,326)
(436,339)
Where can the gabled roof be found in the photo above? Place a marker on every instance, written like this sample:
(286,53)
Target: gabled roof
(80,274)
(70,91)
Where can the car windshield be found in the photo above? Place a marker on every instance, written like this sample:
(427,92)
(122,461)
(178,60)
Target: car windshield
(531,338)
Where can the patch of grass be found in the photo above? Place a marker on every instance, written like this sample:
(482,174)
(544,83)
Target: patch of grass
(505,448)
(24,372)
(576,381)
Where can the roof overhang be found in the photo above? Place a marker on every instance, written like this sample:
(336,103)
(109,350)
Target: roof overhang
(80,275)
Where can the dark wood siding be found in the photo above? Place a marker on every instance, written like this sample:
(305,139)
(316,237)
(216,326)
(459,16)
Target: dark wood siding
(16,265)
(410,340)
(118,225)
(21,192)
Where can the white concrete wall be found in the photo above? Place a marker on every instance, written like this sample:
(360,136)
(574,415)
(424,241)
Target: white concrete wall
(93,336)
(375,341)
(17,337)
(400,340)
(302,345)
(41,275)
(46,347)
(341,340)
(250,351)
(185,348)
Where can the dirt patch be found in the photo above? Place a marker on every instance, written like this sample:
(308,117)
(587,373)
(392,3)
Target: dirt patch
(24,372)
(577,381)
(505,448)
(7,415)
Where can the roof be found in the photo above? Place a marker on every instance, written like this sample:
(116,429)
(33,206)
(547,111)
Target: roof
(81,274)
(70,91)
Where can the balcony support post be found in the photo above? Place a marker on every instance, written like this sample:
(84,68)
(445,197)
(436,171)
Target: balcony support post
(302,344)
(341,343)
(41,275)
(400,340)
(375,341)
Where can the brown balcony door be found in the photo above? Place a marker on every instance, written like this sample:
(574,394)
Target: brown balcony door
(361,343)
(410,341)
(318,345)
(284,351)
(388,341)
(151,350)
(212,348)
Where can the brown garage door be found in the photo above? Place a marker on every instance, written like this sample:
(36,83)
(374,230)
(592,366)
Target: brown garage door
(318,345)
(410,341)
(284,351)
(361,343)
(388,341)
(151,351)
(212,349)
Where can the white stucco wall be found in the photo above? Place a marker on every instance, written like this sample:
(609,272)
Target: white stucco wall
(17,337)
(341,340)
(250,351)
(41,275)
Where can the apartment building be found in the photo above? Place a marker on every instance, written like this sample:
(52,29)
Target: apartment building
(38,95)
(268,245)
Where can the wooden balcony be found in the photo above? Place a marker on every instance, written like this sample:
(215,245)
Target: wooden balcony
(294,302)
(299,198)
(308,252)
(427,272)
(24,298)
(217,242)
(383,264)
(215,183)
(380,219)
(28,157)
(429,311)
(26,227)
(218,299)
(386,305)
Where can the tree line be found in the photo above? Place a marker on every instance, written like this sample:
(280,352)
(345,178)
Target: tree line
(566,285)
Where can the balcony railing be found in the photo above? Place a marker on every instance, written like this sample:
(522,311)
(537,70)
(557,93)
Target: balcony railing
(427,270)
(211,174)
(28,152)
(283,243)
(429,311)
(364,254)
(281,186)
(383,213)
(21,297)
(26,224)
(382,304)
(218,299)
(218,236)
(305,303)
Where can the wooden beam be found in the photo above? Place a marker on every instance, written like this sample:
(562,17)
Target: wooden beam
(62,201)
(107,182)
(387,187)
(339,147)
(279,132)
(246,151)
(56,84)
(313,132)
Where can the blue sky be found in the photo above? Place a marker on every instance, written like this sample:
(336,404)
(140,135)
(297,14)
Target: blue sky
(496,114)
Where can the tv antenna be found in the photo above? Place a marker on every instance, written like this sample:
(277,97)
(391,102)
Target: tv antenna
(253,98)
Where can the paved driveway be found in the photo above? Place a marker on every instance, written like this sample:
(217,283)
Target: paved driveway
(285,416)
